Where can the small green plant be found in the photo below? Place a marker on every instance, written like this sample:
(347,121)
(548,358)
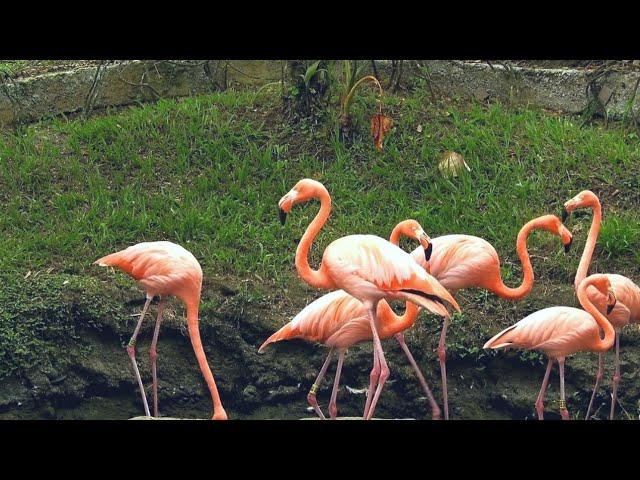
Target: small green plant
(352,79)
(345,113)
(309,88)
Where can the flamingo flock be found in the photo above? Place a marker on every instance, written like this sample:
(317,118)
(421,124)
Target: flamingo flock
(363,273)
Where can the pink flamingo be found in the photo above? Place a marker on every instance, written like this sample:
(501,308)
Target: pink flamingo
(338,321)
(627,309)
(465,261)
(562,331)
(367,267)
(164,269)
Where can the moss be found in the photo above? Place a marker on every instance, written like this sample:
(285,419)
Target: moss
(41,318)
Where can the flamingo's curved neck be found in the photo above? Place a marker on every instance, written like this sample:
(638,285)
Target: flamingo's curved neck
(396,233)
(592,238)
(398,323)
(603,344)
(525,287)
(390,323)
(315,278)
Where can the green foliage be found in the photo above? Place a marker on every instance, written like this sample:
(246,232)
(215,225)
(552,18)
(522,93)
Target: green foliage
(620,236)
(309,89)
(208,171)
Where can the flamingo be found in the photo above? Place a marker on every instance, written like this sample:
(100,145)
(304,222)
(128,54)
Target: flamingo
(465,261)
(562,331)
(627,309)
(338,321)
(367,267)
(165,269)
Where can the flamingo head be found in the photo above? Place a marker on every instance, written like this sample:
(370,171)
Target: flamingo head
(586,198)
(412,229)
(603,284)
(554,225)
(303,191)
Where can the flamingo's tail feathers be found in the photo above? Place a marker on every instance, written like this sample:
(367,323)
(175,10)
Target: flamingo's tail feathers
(430,287)
(427,287)
(502,339)
(432,303)
(284,333)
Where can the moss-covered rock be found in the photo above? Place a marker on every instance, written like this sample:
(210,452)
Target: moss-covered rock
(62,340)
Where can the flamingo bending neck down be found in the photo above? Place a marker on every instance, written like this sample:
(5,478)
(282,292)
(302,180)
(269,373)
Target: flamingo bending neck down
(367,267)
(339,321)
(165,269)
(465,261)
(562,331)
(627,309)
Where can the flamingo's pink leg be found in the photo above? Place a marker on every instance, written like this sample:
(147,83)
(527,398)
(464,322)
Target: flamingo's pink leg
(131,351)
(373,380)
(564,413)
(598,379)
(153,356)
(384,368)
(543,389)
(442,355)
(311,397)
(333,408)
(435,410)
(616,378)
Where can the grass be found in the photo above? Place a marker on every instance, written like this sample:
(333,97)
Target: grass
(619,236)
(207,172)
(10,67)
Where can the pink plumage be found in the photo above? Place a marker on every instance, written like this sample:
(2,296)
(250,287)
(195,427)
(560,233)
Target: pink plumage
(627,309)
(367,267)
(555,331)
(166,269)
(562,331)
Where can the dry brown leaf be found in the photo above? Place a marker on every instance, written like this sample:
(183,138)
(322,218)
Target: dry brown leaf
(379,126)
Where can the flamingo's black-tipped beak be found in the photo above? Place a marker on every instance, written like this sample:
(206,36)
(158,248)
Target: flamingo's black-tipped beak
(567,246)
(565,214)
(428,251)
(283,215)
(610,308)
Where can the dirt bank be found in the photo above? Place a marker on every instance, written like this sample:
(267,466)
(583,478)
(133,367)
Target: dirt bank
(68,359)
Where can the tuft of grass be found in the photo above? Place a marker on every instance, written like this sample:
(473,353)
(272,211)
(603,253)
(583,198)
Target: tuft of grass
(620,236)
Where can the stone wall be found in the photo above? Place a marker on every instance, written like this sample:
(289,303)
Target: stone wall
(123,83)
(127,82)
(561,89)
